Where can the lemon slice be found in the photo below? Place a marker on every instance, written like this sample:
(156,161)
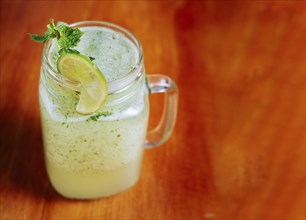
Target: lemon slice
(93,83)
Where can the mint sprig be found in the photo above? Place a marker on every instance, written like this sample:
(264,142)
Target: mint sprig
(96,116)
(67,37)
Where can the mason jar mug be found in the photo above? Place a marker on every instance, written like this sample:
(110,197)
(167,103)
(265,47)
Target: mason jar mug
(100,154)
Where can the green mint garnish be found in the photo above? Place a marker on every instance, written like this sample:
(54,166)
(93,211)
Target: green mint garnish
(67,50)
(96,116)
(67,37)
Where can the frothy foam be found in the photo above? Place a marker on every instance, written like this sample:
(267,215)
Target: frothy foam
(113,53)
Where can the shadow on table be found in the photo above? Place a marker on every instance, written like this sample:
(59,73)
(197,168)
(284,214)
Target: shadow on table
(22,168)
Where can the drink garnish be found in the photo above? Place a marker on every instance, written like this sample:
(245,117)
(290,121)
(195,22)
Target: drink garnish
(97,115)
(94,87)
(67,37)
(76,66)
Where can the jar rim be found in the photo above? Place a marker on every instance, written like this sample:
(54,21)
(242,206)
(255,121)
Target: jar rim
(114,86)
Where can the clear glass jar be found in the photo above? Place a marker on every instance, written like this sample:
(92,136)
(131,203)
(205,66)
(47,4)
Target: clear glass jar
(98,155)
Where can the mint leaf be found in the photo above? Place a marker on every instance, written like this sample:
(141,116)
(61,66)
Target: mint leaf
(39,39)
(96,116)
(67,37)
(51,32)
(67,50)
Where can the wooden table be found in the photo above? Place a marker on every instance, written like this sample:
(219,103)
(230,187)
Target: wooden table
(238,149)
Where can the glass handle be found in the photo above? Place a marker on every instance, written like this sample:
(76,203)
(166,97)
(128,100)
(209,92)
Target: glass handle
(158,83)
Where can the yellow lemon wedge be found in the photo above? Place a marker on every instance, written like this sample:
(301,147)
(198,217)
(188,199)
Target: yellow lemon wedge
(93,83)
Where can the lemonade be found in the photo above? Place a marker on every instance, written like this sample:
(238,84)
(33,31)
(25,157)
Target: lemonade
(95,155)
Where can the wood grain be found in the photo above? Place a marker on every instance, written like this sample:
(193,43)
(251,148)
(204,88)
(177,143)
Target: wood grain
(238,149)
